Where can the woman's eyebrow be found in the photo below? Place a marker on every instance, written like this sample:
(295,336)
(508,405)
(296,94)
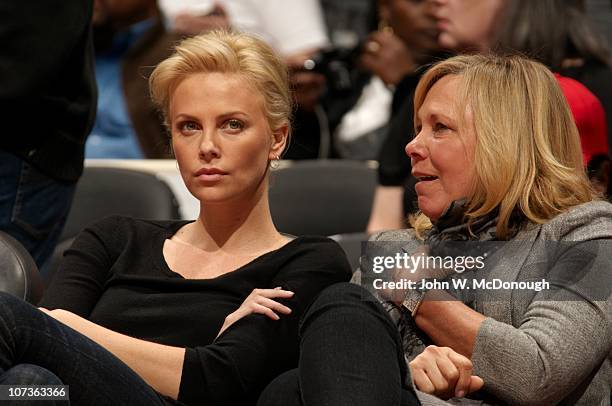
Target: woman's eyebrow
(233,113)
(185,116)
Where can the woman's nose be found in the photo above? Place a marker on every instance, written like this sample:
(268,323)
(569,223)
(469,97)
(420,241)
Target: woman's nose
(415,149)
(208,147)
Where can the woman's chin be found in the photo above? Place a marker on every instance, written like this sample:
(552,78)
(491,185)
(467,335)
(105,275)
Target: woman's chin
(431,210)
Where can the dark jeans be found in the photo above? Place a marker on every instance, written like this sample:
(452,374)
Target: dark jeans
(350,356)
(33,343)
(33,206)
(28,374)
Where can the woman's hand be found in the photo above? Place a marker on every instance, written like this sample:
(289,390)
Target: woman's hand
(260,301)
(444,373)
(387,57)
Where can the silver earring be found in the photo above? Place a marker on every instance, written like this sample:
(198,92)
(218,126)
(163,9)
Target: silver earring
(275,162)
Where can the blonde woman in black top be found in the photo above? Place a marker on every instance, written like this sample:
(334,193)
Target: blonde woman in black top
(201,312)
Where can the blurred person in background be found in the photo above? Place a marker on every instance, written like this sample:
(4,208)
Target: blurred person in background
(398,56)
(294,28)
(47,105)
(600,12)
(129,40)
(559,34)
(555,32)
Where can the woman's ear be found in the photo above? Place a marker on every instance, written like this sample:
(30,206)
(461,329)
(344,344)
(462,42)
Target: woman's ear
(279,141)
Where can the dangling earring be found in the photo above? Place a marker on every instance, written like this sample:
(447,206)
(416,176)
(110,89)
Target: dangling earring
(275,162)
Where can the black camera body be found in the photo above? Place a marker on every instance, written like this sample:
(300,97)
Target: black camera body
(338,65)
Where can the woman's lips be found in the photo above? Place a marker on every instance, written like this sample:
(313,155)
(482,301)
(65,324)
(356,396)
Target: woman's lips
(442,25)
(424,183)
(210,174)
(213,177)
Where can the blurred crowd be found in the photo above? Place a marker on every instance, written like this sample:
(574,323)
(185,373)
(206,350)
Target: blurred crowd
(354,65)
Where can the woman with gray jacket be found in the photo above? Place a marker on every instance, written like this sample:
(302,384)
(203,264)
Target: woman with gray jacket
(526,320)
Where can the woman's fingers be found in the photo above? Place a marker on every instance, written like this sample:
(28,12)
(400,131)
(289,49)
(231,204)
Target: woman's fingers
(439,382)
(426,363)
(257,308)
(476,383)
(450,374)
(271,304)
(260,301)
(444,373)
(464,368)
(421,381)
(272,293)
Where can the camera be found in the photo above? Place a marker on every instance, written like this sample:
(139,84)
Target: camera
(338,65)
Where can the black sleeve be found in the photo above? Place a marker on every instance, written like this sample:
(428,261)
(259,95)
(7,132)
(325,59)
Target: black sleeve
(394,165)
(37,39)
(239,364)
(79,281)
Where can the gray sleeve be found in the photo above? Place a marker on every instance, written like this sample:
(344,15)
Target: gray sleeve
(561,339)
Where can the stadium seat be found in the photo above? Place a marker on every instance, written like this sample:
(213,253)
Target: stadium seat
(19,274)
(102,192)
(322,197)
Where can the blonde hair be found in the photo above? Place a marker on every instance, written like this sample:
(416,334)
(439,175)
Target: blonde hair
(227,52)
(527,159)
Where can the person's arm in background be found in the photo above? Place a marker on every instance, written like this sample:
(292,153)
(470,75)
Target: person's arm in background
(394,171)
(386,56)
(298,35)
(387,209)
(27,63)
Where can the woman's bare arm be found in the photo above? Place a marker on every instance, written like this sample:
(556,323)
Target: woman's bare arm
(159,365)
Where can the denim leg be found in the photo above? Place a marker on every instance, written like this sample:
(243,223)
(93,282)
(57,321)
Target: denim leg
(350,355)
(94,376)
(28,374)
(33,206)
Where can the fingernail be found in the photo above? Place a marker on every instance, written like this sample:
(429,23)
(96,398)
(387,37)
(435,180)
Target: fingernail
(460,394)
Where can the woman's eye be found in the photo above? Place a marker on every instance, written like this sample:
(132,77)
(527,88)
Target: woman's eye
(188,127)
(440,127)
(234,125)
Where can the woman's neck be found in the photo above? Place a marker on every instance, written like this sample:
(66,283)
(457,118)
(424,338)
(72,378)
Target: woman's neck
(238,226)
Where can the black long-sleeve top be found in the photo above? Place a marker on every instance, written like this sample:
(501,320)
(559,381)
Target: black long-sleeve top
(115,275)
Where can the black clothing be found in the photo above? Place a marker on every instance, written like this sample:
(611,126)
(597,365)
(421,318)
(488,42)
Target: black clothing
(598,79)
(115,275)
(351,355)
(394,165)
(48,89)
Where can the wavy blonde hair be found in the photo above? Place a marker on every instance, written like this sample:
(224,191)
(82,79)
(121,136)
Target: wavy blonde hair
(528,159)
(227,52)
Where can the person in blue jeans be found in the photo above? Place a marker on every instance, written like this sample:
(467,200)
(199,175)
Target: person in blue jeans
(47,107)
(202,312)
